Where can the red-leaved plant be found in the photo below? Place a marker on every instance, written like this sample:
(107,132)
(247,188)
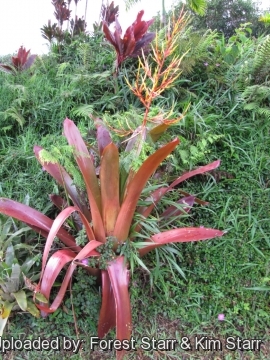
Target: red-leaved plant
(108,220)
(135,39)
(20,62)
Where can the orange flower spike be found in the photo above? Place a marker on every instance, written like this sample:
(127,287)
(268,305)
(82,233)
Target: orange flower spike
(152,81)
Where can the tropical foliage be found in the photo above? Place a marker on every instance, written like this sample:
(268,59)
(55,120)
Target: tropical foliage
(112,207)
(20,62)
(134,41)
(115,190)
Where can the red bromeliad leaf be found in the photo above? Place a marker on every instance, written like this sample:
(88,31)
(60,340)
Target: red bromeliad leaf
(109,186)
(55,264)
(89,174)
(154,198)
(56,225)
(63,178)
(62,204)
(107,316)
(36,220)
(103,136)
(22,61)
(59,202)
(180,235)
(53,268)
(158,194)
(196,200)
(135,188)
(174,211)
(19,62)
(119,276)
(41,232)
(198,171)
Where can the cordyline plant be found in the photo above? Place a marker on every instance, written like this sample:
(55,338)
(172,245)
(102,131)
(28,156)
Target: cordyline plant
(108,13)
(20,62)
(135,39)
(62,13)
(108,221)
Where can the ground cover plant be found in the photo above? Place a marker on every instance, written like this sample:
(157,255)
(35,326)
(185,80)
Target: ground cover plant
(225,85)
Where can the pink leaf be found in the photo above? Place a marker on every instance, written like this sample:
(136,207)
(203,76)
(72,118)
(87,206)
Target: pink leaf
(36,220)
(107,316)
(119,276)
(174,211)
(64,179)
(180,235)
(53,268)
(89,175)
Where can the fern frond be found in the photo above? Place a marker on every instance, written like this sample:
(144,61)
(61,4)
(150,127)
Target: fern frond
(83,111)
(251,106)
(14,113)
(262,55)
(16,87)
(265,112)
(61,68)
(84,52)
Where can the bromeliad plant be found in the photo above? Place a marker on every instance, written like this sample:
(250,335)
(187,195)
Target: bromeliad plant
(108,219)
(16,289)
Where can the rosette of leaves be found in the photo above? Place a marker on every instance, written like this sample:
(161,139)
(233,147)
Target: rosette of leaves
(134,41)
(16,289)
(108,15)
(20,62)
(110,221)
(48,31)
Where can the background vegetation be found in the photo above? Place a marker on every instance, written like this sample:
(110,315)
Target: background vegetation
(225,80)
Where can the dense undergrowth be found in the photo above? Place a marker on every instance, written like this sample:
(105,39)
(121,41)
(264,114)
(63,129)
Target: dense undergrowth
(225,83)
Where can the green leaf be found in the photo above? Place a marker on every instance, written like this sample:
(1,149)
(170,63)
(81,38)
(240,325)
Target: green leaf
(9,258)
(20,297)
(40,297)
(32,309)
